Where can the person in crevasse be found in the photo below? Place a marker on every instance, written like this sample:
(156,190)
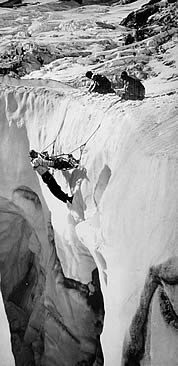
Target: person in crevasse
(61,162)
(50,181)
(101,83)
(133,88)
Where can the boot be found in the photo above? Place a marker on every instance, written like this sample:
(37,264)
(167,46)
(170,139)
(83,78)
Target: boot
(70,198)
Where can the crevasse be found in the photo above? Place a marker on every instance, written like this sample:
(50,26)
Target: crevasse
(123,218)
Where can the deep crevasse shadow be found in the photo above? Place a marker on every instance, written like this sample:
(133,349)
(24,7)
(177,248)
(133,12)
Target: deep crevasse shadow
(102,183)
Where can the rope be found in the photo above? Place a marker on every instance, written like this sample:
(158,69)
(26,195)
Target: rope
(82,146)
(54,141)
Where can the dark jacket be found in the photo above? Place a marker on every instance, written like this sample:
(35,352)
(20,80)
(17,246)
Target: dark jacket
(101,84)
(133,88)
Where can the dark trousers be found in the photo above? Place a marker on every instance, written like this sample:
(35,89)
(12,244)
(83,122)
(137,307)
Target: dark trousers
(54,187)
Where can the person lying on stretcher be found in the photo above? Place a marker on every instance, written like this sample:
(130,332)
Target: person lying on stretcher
(61,162)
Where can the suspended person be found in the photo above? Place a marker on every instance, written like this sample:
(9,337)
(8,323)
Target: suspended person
(133,88)
(61,162)
(101,83)
(50,181)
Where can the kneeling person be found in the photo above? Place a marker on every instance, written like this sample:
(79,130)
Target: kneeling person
(133,88)
(101,83)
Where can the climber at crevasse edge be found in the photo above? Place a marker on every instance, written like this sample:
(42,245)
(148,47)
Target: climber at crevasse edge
(101,83)
(42,167)
(133,88)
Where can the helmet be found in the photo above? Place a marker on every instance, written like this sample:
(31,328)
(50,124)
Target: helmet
(89,74)
(124,75)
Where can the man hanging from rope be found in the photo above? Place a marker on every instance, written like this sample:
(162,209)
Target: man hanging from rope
(42,167)
(60,162)
(41,162)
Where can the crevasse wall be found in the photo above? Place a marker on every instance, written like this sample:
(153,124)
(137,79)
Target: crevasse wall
(7,358)
(123,216)
(32,277)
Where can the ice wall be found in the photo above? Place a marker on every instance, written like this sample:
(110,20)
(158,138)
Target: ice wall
(123,216)
(6,356)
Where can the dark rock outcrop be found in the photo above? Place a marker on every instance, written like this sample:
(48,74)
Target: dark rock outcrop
(152,13)
(139,17)
(11,3)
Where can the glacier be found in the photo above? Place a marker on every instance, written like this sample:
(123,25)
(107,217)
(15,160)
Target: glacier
(123,220)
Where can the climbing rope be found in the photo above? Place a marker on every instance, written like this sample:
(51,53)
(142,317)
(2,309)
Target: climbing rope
(54,141)
(81,147)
